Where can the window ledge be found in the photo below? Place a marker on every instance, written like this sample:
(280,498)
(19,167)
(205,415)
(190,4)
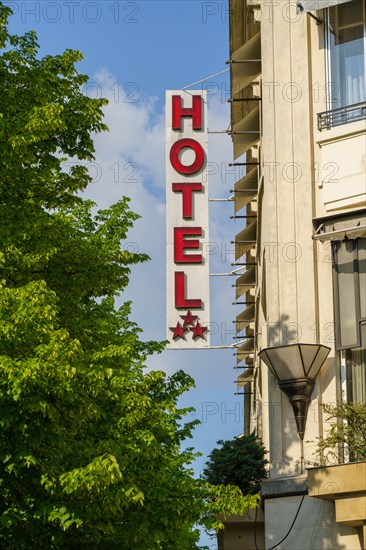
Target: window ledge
(329,482)
(340,133)
(284,487)
(346,485)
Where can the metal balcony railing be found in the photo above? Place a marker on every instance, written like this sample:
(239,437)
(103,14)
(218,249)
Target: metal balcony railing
(344,115)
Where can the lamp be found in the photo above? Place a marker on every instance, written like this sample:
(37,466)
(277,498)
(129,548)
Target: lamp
(296,366)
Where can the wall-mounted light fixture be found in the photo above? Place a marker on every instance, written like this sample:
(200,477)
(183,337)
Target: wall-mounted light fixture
(296,366)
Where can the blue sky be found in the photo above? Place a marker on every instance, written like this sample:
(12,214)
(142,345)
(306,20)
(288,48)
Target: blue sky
(133,52)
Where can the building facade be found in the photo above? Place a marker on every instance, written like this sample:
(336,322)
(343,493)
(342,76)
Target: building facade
(298,125)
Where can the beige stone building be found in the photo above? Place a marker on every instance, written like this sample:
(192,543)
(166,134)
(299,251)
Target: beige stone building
(298,99)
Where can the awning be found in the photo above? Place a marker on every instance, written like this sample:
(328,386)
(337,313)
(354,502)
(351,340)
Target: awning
(246,63)
(245,350)
(313,5)
(244,378)
(338,228)
(246,189)
(246,132)
(245,240)
(245,318)
(245,282)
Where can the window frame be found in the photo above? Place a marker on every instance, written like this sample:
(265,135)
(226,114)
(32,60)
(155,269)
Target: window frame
(359,320)
(328,86)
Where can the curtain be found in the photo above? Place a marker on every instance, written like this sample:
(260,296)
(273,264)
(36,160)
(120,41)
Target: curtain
(347,54)
(358,366)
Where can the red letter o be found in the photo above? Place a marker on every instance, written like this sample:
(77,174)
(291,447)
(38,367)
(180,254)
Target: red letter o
(197,163)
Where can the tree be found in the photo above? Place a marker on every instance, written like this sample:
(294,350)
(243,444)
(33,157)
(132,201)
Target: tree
(90,444)
(240,461)
(346,432)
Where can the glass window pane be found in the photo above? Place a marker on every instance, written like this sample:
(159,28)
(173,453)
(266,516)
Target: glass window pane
(362,274)
(347,54)
(358,366)
(347,294)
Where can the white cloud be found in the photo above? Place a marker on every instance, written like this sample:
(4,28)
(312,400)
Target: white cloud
(136,130)
(136,140)
(131,157)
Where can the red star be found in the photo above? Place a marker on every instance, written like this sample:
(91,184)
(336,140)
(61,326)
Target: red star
(178,331)
(198,331)
(188,318)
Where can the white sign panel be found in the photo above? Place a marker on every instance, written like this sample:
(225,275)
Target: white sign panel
(188,292)
(313,5)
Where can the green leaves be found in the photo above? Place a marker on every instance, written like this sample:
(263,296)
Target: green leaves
(62,517)
(346,432)
(90,443)
(227,500)
(240,461)
(42,122)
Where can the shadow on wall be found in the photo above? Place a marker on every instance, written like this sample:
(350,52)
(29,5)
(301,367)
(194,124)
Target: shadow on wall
(285,444)
(324,531)
(315,527)
(343,487)
(283,332)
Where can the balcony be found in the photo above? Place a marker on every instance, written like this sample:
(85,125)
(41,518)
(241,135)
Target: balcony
(343,115)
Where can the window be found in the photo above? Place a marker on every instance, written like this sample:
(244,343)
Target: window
(346,39)
(356,370)
(346,67)
(349,262)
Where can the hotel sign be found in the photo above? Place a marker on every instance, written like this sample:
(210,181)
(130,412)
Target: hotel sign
(188,305)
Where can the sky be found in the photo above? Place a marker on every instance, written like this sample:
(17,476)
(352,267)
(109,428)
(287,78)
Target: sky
(133,52)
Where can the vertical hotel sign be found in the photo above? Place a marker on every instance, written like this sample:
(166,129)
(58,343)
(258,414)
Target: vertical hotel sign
(188,294)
